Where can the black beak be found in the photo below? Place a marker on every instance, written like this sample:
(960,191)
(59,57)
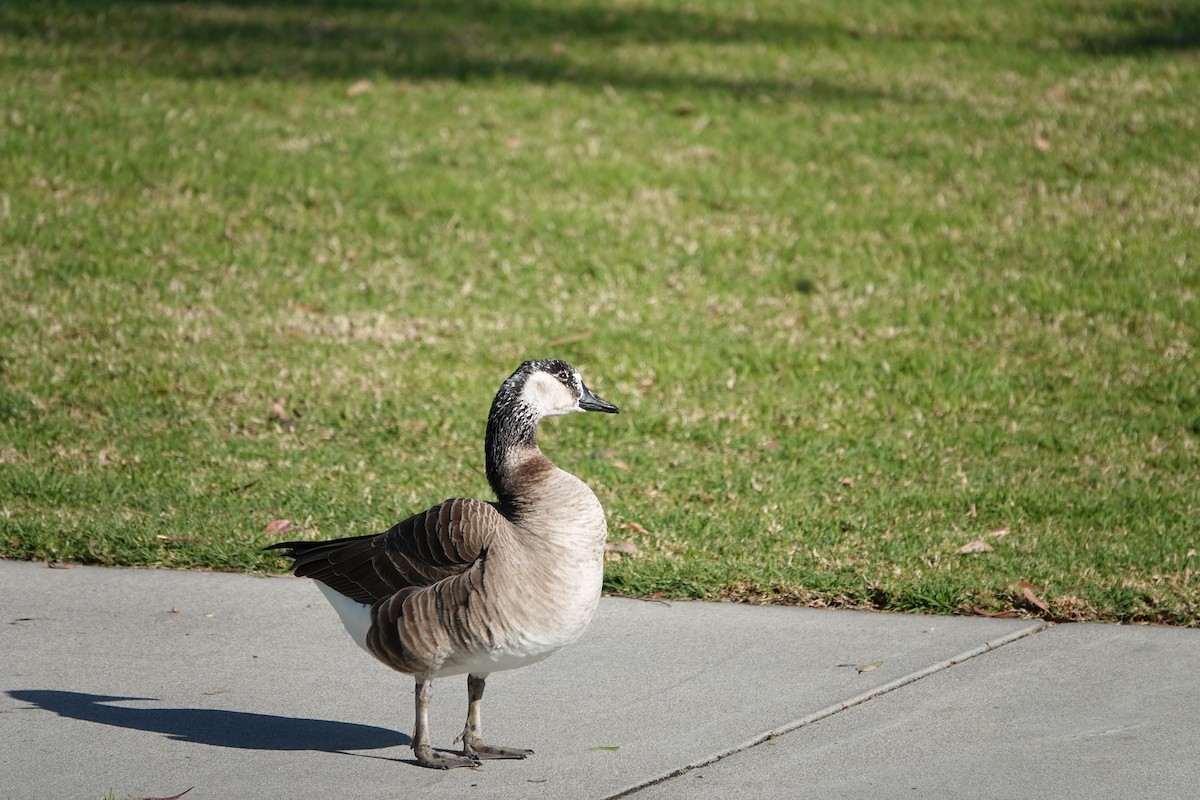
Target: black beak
(589,402)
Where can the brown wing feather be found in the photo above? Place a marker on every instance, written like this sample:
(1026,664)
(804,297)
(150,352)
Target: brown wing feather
(425,548)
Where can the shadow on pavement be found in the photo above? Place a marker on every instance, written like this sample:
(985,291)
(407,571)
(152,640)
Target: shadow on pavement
(238,729)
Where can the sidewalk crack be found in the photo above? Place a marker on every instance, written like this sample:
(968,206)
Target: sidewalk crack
(837,708)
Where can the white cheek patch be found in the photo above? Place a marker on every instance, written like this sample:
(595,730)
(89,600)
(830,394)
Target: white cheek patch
(546,395)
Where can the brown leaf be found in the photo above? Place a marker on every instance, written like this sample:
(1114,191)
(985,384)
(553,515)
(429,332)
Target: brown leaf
(278,526)
(848,482)
(1033,598)
(59,565)
(621,465)
(1041,144)
(869,667)
(621,547)
(278,410)
(983,612)
(977,546)
(635,527)
(360,87)
(996,534)
(172,797)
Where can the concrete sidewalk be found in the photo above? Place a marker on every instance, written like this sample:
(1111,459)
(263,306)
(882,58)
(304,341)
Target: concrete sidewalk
(147,683)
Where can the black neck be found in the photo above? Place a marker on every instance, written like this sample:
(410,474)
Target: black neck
(510,426)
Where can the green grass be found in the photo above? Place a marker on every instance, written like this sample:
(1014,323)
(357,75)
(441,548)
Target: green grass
(868,281)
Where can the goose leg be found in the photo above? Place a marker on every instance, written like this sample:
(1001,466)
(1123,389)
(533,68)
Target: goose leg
(472,735)
(426,755)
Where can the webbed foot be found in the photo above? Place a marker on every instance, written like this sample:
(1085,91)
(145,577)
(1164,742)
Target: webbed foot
(440,759)
(475,747)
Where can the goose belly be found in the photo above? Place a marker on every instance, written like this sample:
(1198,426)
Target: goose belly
(530,627)
(483,662)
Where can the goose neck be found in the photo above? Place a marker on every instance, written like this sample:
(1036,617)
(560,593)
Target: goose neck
(511,442)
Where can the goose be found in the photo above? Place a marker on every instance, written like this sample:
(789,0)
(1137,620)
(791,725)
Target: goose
(474,587)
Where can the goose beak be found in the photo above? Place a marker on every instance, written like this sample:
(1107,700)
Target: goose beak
(589,402)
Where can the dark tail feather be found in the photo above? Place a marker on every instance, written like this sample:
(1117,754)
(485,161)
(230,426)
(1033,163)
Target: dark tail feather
(296,549)
(344,565)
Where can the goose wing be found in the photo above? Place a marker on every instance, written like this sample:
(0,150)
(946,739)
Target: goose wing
(438,543)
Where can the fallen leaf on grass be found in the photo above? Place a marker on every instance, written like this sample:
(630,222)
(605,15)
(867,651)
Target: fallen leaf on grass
(1029,589)
(996,534)
(621,547)
(983,612)
(869,667)
(1041,144)
(278,410)
(977,546)
(619,464)
(278,526)
(359,87)
(635,527)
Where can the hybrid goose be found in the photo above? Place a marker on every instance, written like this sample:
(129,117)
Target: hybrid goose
(476,587)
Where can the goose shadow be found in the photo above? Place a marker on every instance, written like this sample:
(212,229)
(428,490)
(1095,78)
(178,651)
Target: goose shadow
(236,729)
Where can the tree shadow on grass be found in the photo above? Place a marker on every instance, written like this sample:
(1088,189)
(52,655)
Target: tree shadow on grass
(1141,28)
(215,727)
(460,40)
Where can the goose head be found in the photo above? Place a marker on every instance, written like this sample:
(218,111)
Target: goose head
(545,388)
(551,388)
(538,389)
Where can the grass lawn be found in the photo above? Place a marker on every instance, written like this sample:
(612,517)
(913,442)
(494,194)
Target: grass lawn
(870,282)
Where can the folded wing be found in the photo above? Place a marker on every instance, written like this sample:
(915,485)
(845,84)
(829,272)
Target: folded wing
(438,543)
